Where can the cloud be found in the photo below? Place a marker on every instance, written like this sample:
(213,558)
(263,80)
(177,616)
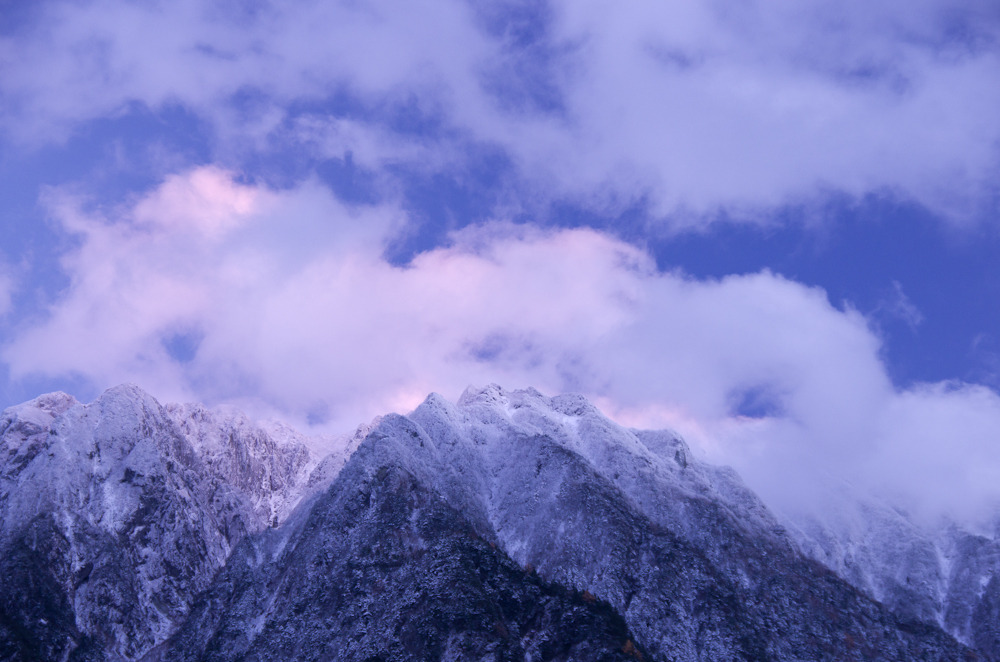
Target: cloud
(940,441)
(6,291)
(719,104)
(215,290)
(100,56)
(177,260)
(896,305)
(205,202)
(688,108)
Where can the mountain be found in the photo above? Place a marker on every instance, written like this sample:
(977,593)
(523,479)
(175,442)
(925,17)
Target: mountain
(505,526)
(382,567)
(941,573)
(116,514)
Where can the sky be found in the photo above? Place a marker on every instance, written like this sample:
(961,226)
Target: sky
(772,226)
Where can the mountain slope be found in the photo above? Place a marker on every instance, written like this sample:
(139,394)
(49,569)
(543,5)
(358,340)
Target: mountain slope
(684,551)
(505,526)
(382,568)
(941,573)
(692,561)
(112,518)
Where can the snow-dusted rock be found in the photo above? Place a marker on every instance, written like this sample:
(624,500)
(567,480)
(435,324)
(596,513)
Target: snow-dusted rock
(114,515)
(382,567)
(507,525)
(941,572)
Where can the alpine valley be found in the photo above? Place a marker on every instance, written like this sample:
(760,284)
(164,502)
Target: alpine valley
(506,526)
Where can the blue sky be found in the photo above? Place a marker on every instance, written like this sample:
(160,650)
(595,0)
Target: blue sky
(770,226)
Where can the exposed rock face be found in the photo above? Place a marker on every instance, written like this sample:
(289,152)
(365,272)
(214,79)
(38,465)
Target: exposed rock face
(507,527)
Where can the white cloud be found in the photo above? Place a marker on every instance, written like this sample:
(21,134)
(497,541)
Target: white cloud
(749,108)
(290,308)
(940,442)
(692,106)
(99,56)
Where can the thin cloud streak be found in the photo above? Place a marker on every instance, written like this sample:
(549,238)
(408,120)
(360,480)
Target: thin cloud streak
(7,286)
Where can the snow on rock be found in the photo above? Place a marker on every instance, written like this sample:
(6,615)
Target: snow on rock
(115,514)
(695,562)
(941,573)
(139,531)
(945,574)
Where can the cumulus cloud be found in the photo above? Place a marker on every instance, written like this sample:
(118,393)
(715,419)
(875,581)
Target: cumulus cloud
(206,203)
(102,55)
(206,289)
(690,107)
(173,262)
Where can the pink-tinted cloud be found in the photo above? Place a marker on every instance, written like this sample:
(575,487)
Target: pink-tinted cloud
(327,329)
(205,202)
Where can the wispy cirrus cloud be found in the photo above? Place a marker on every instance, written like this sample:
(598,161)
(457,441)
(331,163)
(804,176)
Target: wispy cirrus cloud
(895,305)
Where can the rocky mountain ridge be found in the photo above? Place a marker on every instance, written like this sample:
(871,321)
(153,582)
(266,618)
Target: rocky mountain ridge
(505,526)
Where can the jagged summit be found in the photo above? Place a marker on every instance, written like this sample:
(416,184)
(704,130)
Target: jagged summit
(496,398)
(52,404)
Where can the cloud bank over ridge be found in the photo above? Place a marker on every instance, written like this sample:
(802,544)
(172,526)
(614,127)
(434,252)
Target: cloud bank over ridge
(268,160)
(198,291)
